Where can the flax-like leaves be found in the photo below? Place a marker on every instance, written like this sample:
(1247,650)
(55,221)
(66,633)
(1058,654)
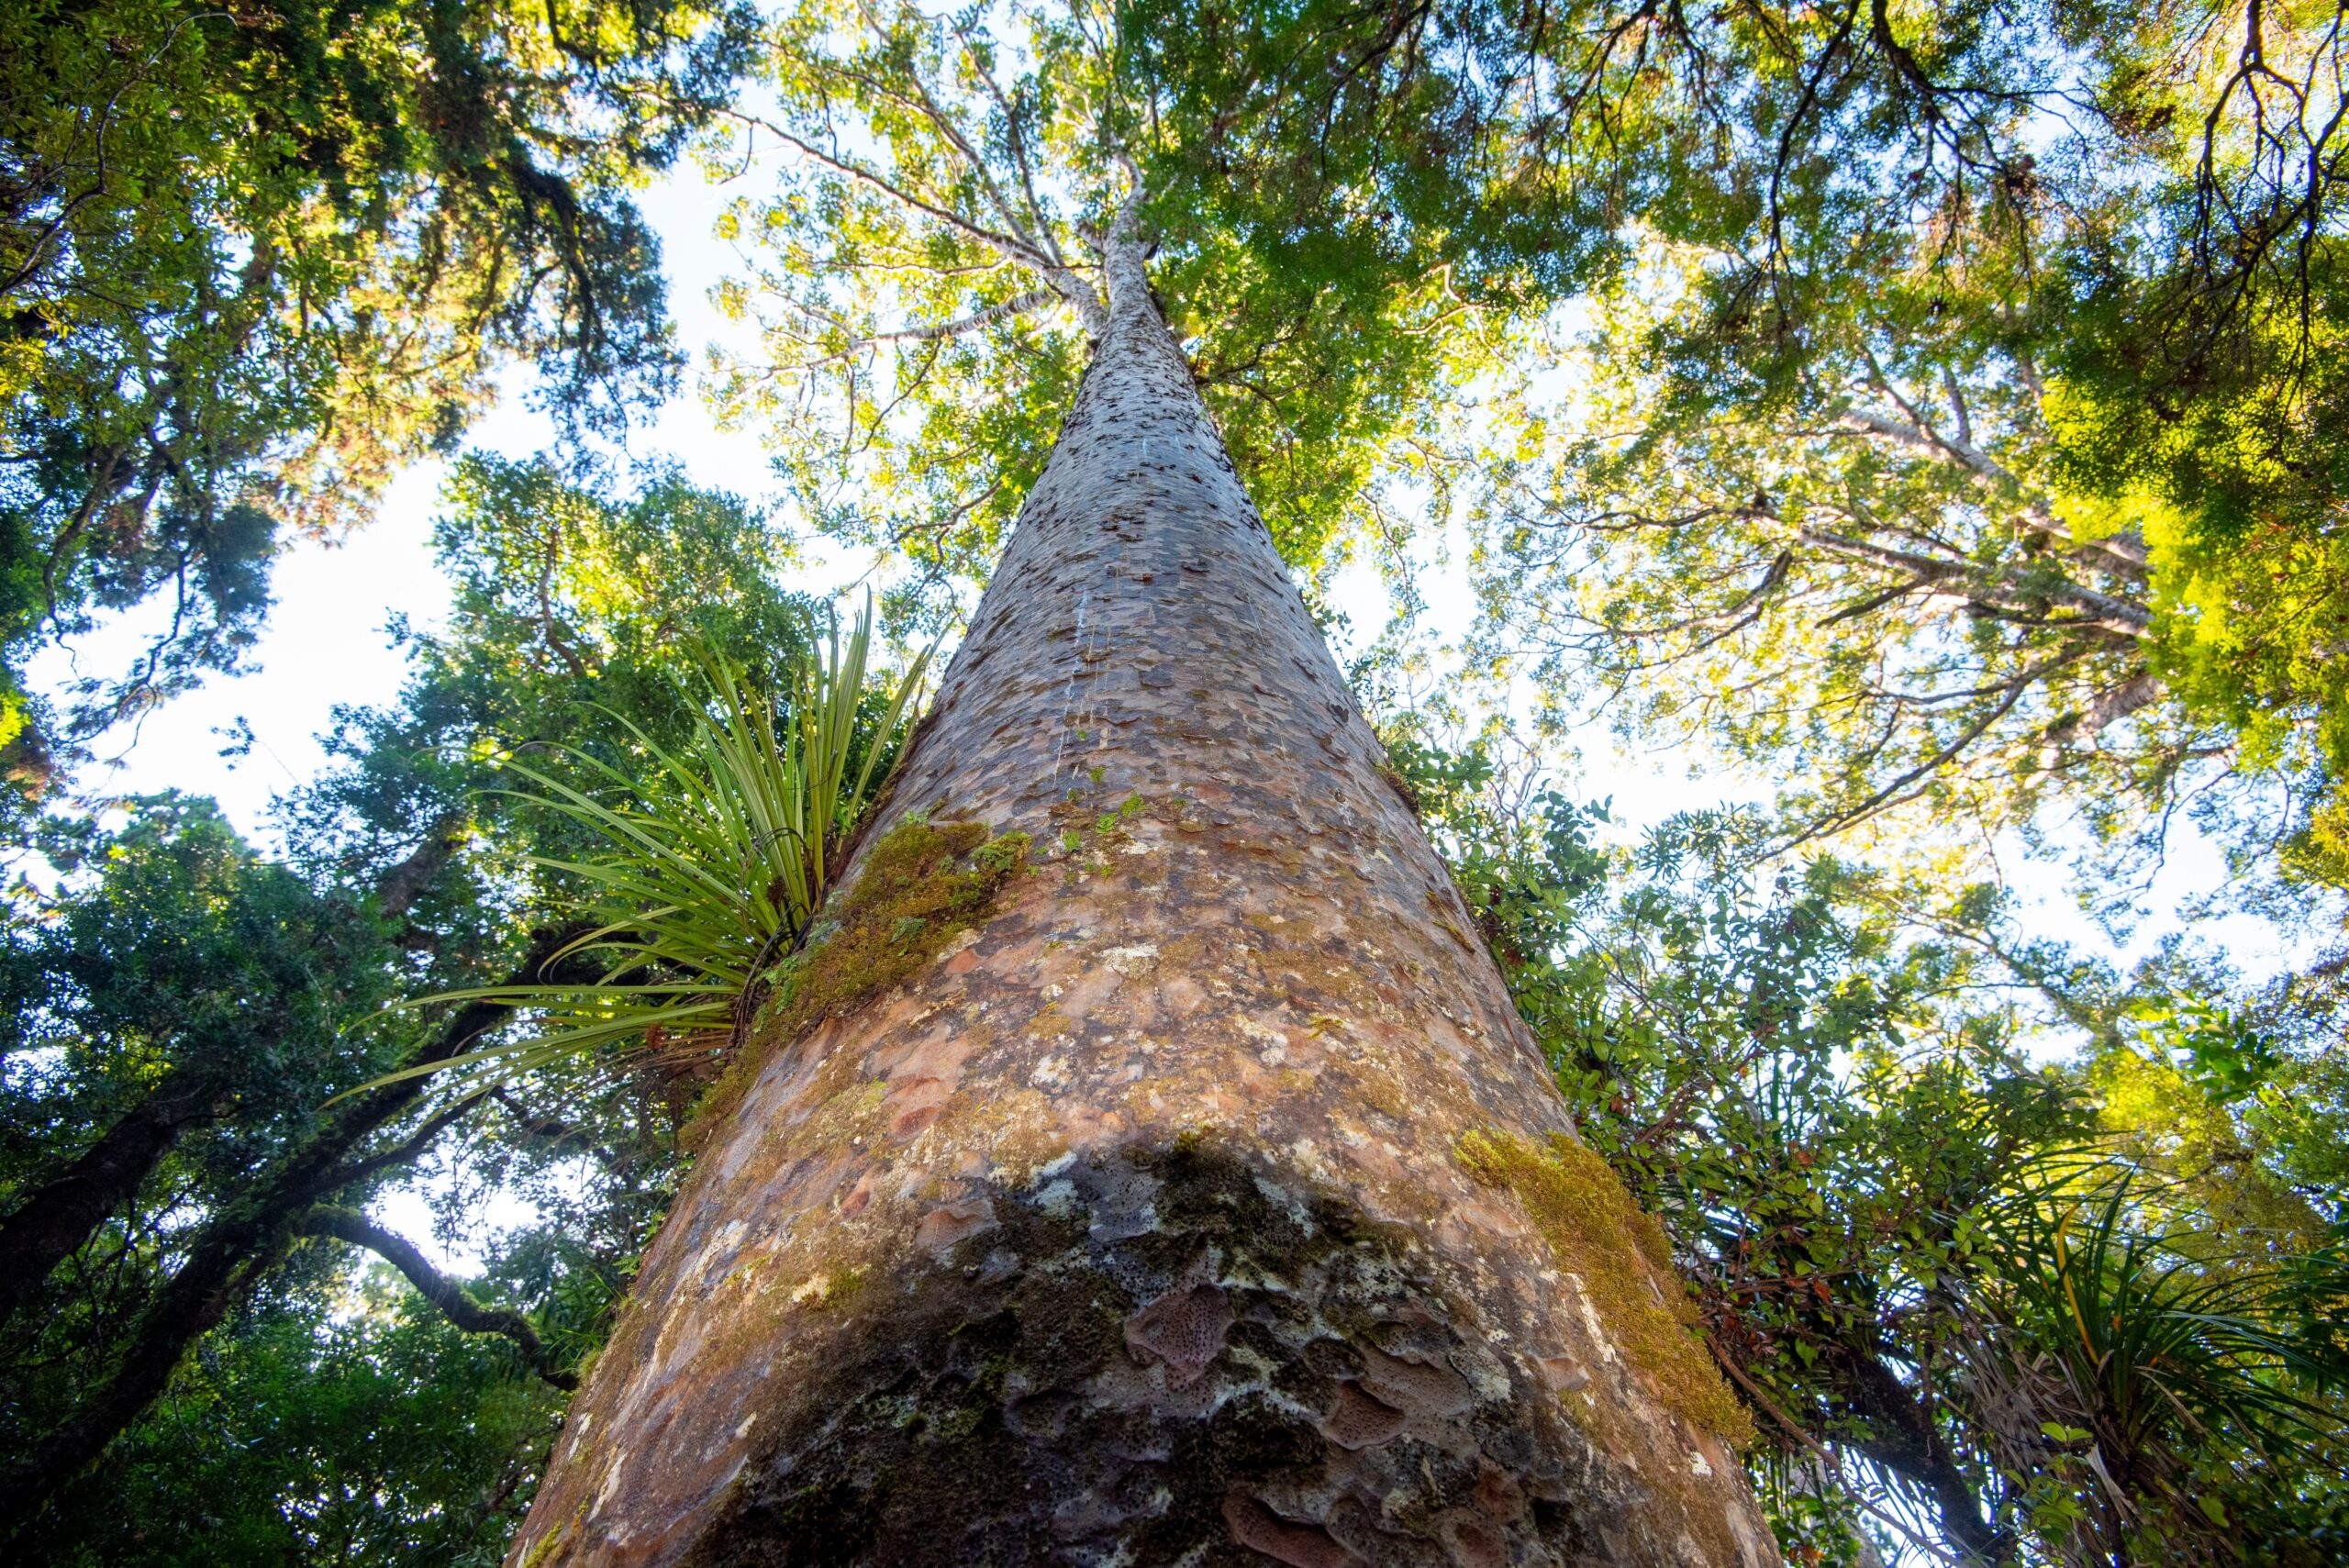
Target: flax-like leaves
(2138,1376)
(2146,1338)
(711,861)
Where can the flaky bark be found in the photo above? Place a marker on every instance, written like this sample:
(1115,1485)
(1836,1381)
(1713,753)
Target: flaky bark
(1135,1229)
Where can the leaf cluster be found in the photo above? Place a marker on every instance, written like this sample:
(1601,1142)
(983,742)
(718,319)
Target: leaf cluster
(1971,1294)
(253,260)
(712,861)
(183,1006)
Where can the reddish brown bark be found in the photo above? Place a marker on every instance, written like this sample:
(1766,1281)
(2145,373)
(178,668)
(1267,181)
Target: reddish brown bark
(1134,1229)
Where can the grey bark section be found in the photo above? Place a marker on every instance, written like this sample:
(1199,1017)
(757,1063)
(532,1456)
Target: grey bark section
(1172,1357)
(901,1314)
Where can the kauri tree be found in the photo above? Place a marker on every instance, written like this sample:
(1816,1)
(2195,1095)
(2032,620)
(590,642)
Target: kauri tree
(1142,1158)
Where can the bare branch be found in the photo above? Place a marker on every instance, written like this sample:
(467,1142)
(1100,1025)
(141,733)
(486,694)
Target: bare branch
(1891,793)
(399,1153)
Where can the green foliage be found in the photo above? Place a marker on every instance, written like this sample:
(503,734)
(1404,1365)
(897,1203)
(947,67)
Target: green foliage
(253,261)
(180,979)
(2163,1389)
(1862,585)
(715,859)
(1957,441)
(181,950)
(1966,1278)
(570,605)
(927,273)
(2203,313)
(2252,616)
(179,975)
(342,1427)
(1956,437)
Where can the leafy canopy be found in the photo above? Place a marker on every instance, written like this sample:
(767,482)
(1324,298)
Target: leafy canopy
(210,999)
(926,274)
(2063,1312)
(1959,445)
(254,260)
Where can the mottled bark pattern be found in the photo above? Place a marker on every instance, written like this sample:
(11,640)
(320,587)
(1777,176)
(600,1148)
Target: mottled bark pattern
(1172,1353)
(1131,1230)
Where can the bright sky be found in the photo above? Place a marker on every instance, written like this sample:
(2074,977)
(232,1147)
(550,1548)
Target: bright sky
(325,644)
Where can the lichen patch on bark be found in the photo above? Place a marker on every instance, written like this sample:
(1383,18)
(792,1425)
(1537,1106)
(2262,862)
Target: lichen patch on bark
(919,887)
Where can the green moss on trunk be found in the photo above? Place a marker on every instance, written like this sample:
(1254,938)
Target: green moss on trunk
(923,885)
(1624,1264)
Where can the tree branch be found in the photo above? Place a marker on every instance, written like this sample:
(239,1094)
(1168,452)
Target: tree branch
(1063,279)
(400,1153)
(2102,611)
(459,1307)
(56,1218)
(1884,798)
(2122,554)
(401,884)
(1018,305)
(230,1251)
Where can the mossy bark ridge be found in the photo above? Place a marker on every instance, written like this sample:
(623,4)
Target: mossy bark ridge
(1134,1225)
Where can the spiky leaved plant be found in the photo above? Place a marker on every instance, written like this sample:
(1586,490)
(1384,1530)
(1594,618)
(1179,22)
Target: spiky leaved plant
(2156,1383)
(713,860)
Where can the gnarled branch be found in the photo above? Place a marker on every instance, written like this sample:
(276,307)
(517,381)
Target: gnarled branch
(445,1294)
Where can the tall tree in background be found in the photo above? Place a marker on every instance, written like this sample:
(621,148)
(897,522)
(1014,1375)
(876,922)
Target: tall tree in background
(1143,1159)
(1953,445)
(252,259)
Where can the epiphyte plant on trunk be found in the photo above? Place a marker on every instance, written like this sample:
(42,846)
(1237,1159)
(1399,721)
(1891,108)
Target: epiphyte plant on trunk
(1208,1201)
(716,857)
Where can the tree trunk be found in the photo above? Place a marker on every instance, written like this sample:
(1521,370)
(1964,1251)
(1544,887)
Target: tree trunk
(62,1215)
(229,1254)
(1196,1206)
